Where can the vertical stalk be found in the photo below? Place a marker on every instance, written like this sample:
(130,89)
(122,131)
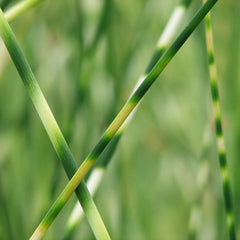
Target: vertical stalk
(219,130)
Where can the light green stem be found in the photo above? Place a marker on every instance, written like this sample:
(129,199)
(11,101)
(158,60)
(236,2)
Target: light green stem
(52,129)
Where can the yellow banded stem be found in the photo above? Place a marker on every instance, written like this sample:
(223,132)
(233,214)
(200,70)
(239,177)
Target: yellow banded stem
(219,130)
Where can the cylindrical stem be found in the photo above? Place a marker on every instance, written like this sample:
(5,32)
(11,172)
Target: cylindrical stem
(219,130)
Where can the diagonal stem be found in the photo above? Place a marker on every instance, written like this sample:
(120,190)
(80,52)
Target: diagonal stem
(219,130)
(123,115)
(52,128)
(96,175)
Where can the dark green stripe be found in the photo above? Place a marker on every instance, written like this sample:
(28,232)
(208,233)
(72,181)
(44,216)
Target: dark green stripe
(222,159)
(65,155)
(108,152)
(227,195)
(53,212)
(214,90)
(232,230)
(140,92)
(99,147)
(210,57)
(218,126)
(156,56)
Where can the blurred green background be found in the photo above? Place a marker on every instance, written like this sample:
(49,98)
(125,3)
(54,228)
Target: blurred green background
(87,57)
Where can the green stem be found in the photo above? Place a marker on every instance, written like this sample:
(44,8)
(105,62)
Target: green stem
(219,130)
(123,115)
(52,129)
(96,175)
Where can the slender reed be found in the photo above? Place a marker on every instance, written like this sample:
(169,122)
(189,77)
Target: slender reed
(52,129)
(219,130)
(97,173)
(122,116)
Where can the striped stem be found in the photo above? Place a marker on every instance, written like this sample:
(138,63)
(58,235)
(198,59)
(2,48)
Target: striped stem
(123,114)
(20,8)
(97,173)
(219,132)
(52,129)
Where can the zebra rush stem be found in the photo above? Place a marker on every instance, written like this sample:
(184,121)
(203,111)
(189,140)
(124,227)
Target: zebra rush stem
(53,131)
(123,115)
(218,128)
(97,173)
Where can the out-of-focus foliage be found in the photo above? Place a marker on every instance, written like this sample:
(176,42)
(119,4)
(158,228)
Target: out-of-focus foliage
(87,56)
